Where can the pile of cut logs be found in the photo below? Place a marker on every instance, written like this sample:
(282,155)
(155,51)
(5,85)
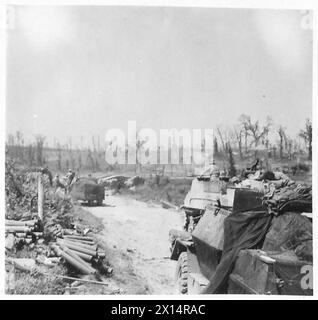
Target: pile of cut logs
(81,252)
(77,250)
(24,232)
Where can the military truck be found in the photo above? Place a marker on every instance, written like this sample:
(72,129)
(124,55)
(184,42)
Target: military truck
(276,259)
(87,189)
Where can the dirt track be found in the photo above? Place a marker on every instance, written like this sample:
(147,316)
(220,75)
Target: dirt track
(136,237)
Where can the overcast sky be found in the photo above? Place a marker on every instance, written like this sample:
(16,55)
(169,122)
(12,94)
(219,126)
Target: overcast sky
(78,71)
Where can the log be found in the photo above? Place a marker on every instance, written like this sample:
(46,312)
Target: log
(29,223)
(79,266)
(77,257)
(80,238)
(14,229)
(68,232)
(80,249)
(84,256)
(20,235)
(167,204)
(89,247)
(87,243)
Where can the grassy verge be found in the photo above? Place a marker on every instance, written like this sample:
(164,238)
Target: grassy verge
(30,283)
(171,190)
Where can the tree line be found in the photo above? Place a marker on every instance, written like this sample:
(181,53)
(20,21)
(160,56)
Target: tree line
(246,138)
(61,156)
(250,135)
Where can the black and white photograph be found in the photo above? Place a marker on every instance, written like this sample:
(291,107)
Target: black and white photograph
(157,149)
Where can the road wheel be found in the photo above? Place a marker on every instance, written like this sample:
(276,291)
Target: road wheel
(100,202)
(182,274)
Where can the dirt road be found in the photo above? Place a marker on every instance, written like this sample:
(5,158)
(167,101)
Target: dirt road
(136,238)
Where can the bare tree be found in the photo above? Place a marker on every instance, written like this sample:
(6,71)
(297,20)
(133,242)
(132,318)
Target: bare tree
(244,126)
(139,144)
(254,129)
(39,149)
(94,145)
(59,156)
(19,137)
(70,151)
(239,132)
(11,140)
(95,154)
(222,138)
(215,146)
(282,138)
(31,155)
(19,145)
(67,163)
(90,159)
(232,168)
(307,136)
(289,147)
(79,159)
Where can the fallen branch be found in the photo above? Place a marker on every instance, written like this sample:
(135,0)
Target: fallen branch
(167,204)
(75,279)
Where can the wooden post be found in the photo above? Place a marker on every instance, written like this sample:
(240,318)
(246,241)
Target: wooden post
(40,197)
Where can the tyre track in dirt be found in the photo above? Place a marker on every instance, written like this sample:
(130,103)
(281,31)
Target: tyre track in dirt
(136,237)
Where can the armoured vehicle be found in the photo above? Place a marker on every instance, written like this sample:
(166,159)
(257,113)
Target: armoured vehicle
(88,190)
(203,193)
(235,246)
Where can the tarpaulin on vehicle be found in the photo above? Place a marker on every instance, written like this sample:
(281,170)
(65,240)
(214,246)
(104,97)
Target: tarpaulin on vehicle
(296,198)
(247,229)
(290,232)
(242,230)
(289,242)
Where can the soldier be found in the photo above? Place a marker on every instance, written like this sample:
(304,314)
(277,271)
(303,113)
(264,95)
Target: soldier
(70,176)
(212,172)
(57,183)
(256,165)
